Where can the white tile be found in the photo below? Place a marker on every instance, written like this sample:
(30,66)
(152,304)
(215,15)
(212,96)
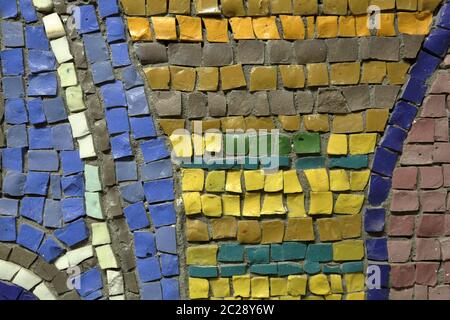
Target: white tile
(121,297)
(8,270)
(26,279)
(43,292)
(115,282)
(106,258)
(86,145)
(53,26)
(74,99)
(43,5)
(75,257)
(100,234)
(67,75)
(61,50)
(78,122)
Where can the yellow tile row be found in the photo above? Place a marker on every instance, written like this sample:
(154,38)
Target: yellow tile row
(265,28)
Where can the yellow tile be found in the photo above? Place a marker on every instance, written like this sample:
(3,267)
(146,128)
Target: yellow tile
(333,296)
(305,7)
(290,123)
(208,78)
(139,29)
(334,7)
(316,123)
(299,229)
(280,6)
(362,143)
(260,287)
(318,179)
(355,296)
(232,77)
(241,286)
(337,144)
(201,126)
(348,123)
(354,282)
(345,73)
(207,7)
(249,231)
(242,28)
(252,204)
(198,288)
(317,74)
(165,28)
(233,123)
(181,145)
(329,229)
(274,182)
(327,26)
(183,78)
(321,203)
(202,255)
(231,205)
(278,286)
(336,283)
(297,284)
(273,204)
(359,180)
(292,76)
(254,180)
(196,231)
(383,4)
(410,5)
(373,72)
(259,123)
(257,7)
(192,179)
(211,205)
(428,5)
(234,181)
(216,29)
(220,287)
(312,297)
(291,184)
(158,77)
(350,226)
(318,284)
(376,119)
(387,28)
(296,205)
(361,25)
(180,6)
(339,180)
(290,298)
(272,231)
(347,26)
(190,28)
(168,126)
(414,22)
(265,28)
(192,203)
(263,78)
(133,7)
(293,27)
(213,141)
(348,250)
(396,72)
(310,27)
(358,6)
(349,203)
(198,144)
(215,181)
(156,7)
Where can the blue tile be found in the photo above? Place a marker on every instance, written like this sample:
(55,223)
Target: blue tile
(142,127)
(52,214)
(151,291)
(85,19)
(40,138)
(54,110)
(403,115)
(72,208)
(137,102)
(136,216)
(115,29)
(62,137)
(149,269)
(163,214)
(71,162)
(170,289)
(382,271)
(144,244)
(27,10)
(120,55)
(102,72)
(55,186)
(166,239)
(156,170)
(43,160)
(444,16)
(95,47)
(169,264)
(27,296)
(9,207)
(14,183)
(378,294)
(415,90)
(9,291)
(438,41)
(121,146)
(41,61)
(96,295)
(394,138)
(424,66)
(133,192)
(154,149)
(37,183)
(159,190)
(7,229)
(12,62)
(32,208)
(107,8)
(12,34)
(50,250)
(36,38)
(131,78)
(377,249)
(374,220)
(44,84)
(117,120)
(113,95)
(29,237)
(35,109)
(384,161)
(73,233)
(126,171)
(12,159)
(73,186)
(16,136)
(13,87)
(15,111)
(8,9)
(379,189)
(90,281)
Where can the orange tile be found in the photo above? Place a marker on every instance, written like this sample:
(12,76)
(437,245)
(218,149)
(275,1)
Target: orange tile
(139,29)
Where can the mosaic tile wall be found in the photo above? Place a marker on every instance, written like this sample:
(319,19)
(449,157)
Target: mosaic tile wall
(95,95)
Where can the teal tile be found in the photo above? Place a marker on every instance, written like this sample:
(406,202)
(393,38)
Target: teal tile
(311,267)
(310,163)
(229,270)
(327,268)
(257,254)
(349,162)
(320,252)
(264,269)
(288,251)
(352,267)
(231,253)
(203,271)
(288,268)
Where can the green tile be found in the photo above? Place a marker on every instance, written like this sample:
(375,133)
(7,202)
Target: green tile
(288,268)
(350,162)
(257,254)
(320,252)
(203,271)
(264,269)
(288,251)
(352,267)
(307,143)
(229,270)
(310,163)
